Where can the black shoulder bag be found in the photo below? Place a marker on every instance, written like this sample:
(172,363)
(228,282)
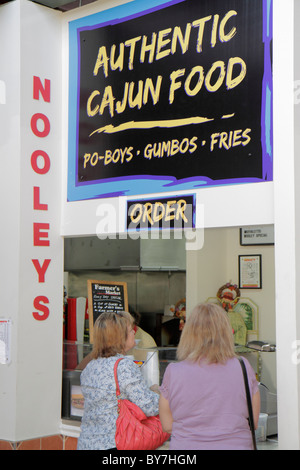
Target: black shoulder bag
(251,421)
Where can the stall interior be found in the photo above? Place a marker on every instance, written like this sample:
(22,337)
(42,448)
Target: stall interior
(153,270)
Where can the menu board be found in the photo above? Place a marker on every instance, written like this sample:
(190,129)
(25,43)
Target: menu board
(105,296)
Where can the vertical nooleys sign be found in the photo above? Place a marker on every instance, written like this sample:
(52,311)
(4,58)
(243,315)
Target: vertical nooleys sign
(169,96)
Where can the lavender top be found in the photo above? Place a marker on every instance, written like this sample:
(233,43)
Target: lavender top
(208,405)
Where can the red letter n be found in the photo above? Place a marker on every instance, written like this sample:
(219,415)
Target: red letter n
(39,88)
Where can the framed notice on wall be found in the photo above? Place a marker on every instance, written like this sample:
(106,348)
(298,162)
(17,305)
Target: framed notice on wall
(168,95)
(105,296)
(250,272)
(257,235)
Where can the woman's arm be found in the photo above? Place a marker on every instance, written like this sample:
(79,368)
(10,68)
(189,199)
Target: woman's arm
(165,414)
(256,408)
(134,388)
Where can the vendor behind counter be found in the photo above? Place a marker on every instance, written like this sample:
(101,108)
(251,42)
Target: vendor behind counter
(142,338)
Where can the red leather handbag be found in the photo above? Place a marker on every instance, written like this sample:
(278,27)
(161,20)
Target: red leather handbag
(135,430)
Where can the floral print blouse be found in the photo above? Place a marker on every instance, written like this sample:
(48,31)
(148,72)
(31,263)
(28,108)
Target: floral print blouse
(98,424)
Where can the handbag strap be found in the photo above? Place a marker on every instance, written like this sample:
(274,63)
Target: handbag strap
(118,393)
(251,420)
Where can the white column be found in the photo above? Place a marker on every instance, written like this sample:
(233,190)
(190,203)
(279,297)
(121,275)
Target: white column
(31,270)
(287,219)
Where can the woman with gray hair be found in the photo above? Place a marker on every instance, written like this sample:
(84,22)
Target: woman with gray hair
(203,401)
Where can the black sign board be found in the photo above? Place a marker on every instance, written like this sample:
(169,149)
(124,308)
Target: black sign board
(105,296)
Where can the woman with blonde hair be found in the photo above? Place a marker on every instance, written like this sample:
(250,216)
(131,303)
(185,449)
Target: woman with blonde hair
(203,401)
(113,337)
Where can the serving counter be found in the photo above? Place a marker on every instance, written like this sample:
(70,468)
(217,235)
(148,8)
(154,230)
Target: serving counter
(152,362)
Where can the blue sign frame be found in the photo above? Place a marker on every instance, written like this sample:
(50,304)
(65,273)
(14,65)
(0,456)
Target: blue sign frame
(143,184)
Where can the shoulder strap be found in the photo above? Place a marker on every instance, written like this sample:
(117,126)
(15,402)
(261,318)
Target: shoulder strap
(251,420)
(116,376)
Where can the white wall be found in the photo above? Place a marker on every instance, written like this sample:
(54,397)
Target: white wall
(286,175)
(258,204)
(235,206)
